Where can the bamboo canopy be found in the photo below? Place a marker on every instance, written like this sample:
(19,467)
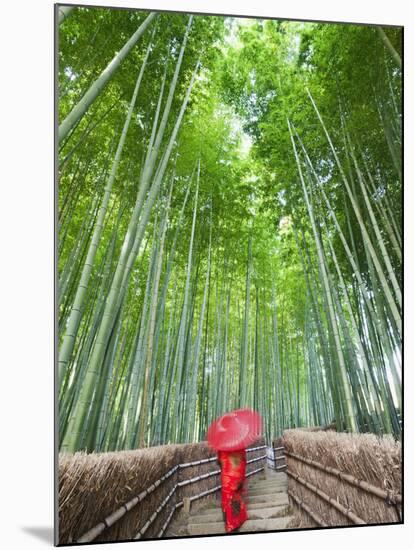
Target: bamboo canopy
(229,227)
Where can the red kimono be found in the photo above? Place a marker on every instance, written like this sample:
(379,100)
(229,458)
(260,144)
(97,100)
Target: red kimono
(233,474)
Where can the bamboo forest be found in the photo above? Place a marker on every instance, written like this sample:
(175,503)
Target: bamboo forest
(229,225)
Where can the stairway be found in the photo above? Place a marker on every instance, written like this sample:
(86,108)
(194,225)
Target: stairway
(267,509)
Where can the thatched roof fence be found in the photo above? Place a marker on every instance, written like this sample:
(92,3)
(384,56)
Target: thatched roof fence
(343,479)
(134,494)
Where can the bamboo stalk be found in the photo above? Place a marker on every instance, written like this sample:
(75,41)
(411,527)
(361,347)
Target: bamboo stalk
(66,349)
(349,405)
(82,106)
(374,224)
(366,238)
(117,291)
(395,55)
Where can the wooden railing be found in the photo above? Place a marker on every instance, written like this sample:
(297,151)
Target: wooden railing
(115,516)
(391,498)
(353,490)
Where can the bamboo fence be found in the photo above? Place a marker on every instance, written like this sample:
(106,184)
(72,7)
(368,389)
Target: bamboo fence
(343,479)
(135,494)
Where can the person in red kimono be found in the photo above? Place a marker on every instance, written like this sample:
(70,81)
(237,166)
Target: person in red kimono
(233,475)
(230,435)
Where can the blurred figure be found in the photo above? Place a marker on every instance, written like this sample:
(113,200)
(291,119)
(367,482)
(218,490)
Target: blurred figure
(233,475)
(230,435)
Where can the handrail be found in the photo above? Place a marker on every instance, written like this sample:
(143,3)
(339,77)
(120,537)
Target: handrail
(344,511)
(389,496)
(316,517)
(120,512)
(95,531)
(213,458)
(195,497)
(197,462)
(198,478)
(256,459)
(255,448)
(170,515)
(155,514)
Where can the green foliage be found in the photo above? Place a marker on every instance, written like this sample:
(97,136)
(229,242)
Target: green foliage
(253,77)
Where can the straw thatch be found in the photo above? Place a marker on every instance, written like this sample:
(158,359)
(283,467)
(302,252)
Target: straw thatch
(94,486)
(327,428)
(364,457)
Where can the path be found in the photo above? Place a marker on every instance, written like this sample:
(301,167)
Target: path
(267,506)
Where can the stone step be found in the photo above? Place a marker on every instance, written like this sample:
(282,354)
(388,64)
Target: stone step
(279,499)
(274,476)
(255,501)
(270,476)
(253,513)
(272,498)
(266,484)
(266,490)
(249,526)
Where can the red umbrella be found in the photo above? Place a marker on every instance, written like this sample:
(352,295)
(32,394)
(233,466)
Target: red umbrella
(235,430)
